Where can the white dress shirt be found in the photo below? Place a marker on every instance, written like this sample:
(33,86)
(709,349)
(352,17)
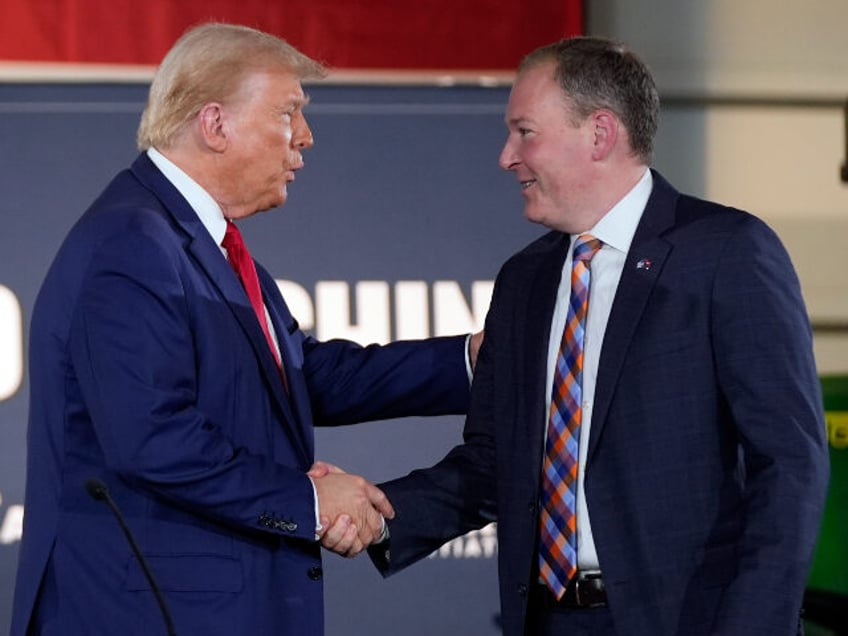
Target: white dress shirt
(616,230)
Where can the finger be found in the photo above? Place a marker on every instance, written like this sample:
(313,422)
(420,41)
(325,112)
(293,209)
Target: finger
(321,469)
(345,543)
(474,344)
(355,545)
(373,529)
(354,552)
(349,544)
(335,534)
(380,502)
(318,470)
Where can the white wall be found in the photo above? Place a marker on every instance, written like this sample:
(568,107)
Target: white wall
(769,135)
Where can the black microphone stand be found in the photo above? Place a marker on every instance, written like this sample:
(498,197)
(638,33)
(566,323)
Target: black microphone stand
(98,491)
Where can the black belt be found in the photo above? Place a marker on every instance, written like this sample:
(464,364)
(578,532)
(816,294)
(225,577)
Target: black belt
(585,590)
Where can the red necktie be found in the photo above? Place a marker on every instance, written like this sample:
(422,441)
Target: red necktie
(242,264)
(558,518)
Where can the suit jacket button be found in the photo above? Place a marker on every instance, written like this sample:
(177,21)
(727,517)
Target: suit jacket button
(315,573)
(522,589)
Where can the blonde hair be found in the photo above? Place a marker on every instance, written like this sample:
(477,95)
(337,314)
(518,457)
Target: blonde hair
(208,63)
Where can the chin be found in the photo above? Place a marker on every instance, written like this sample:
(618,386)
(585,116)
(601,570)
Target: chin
(277,201)
(534,215)
(271,204)
(283,196)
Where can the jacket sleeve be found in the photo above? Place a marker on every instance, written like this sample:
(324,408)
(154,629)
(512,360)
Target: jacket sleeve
(764,357)
(459,493)
(349,383)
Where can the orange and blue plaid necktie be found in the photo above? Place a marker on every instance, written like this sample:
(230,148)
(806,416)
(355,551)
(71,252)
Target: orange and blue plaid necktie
(558,518)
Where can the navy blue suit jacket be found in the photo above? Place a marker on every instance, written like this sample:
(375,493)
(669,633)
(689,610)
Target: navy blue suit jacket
(707,462)
(149,371)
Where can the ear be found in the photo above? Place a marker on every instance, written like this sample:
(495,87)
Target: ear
(607,129)
(211,123)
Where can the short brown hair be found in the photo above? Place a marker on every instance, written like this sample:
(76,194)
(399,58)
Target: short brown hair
(596,72)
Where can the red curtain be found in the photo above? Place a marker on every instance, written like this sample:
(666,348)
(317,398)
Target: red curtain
(386,34)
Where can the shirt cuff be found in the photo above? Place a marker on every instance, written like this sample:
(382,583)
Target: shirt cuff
(384,533)
(318,527)
(468,359)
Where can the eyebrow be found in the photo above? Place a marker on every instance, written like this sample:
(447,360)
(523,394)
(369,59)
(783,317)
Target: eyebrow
(297,102)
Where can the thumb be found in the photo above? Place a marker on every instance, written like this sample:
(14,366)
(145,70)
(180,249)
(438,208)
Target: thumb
(322,469)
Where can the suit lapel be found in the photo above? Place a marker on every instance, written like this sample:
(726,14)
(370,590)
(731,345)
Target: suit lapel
(536,335)
(298,398)
(209,258)
(642,268)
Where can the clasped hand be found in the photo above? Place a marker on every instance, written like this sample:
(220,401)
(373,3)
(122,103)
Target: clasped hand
(351,509)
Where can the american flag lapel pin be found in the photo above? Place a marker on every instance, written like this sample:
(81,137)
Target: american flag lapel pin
(644,263)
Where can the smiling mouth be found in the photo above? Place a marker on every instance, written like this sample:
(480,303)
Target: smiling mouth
(527,184)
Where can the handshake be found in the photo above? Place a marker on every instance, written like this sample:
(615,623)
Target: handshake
(352,509)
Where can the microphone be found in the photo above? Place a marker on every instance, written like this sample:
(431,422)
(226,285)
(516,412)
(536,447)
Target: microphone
(99,492)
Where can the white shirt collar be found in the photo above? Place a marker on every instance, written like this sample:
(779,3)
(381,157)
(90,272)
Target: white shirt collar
(618,226)
(200,200)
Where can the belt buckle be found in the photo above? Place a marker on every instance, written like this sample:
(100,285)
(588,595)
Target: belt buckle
(582,577)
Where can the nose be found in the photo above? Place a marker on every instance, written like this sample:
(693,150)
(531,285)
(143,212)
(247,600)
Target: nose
(508,159)
(302,134)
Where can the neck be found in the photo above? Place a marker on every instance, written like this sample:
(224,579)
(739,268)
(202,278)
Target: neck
(600,198)
(206,170)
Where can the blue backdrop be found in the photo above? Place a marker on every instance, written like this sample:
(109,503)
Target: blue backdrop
(402,189)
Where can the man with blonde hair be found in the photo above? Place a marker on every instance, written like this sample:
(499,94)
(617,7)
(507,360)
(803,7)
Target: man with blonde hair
(167,370)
